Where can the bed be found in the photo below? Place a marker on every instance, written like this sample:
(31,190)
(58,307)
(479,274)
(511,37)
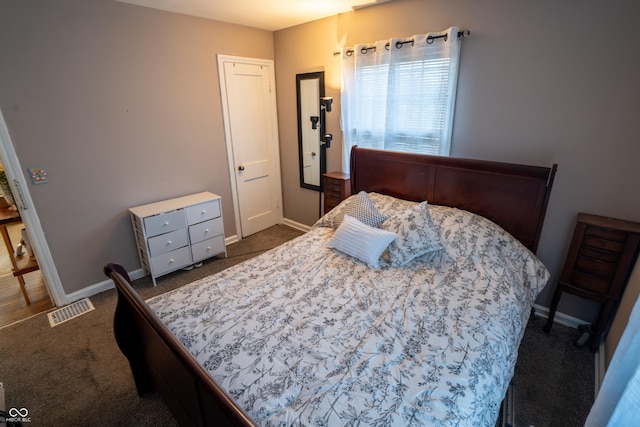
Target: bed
(322,331)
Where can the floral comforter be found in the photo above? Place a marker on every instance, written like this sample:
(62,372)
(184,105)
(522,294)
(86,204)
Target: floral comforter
(306,335)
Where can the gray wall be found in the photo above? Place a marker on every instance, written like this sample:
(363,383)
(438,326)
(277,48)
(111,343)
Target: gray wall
(121,106)
(540,82)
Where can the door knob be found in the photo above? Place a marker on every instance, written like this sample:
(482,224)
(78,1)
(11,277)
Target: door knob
(241,168)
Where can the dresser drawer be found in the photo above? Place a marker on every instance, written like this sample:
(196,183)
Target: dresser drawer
(208,248)
(164,222)
(203,212)
(171,261)
(600,243)
(168,242)
(330,203)
(603,233)
(596,267)
(205,230)
(599,254)
(591,283)
(332,185)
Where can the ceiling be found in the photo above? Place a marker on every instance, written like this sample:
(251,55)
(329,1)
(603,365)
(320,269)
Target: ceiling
(269,15)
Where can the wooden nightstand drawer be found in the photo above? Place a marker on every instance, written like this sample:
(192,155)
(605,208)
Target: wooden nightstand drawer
(596,267)
(602,255)
(609,245)
(606,234)
(590,283)
(336,187)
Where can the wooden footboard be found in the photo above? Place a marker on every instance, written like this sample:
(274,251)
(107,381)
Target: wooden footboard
(159,361)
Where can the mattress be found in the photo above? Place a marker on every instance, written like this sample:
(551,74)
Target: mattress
(305,334)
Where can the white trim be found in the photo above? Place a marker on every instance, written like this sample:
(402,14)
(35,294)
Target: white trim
(559,318)
(105,285)
(227,132)
(29,216)
(231,239)
(601,368)
(294,224)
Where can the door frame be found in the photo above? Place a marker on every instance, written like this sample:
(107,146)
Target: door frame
(29,216)
(222,59)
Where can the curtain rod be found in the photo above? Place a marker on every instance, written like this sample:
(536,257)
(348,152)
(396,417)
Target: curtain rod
(399,44)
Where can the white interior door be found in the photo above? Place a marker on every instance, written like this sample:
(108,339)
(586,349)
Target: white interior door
(249,107)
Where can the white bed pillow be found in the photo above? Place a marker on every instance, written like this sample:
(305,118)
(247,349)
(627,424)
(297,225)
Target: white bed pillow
(361,241)
(416,234)
(358,206)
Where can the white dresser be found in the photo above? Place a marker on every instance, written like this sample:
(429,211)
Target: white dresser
(178,233)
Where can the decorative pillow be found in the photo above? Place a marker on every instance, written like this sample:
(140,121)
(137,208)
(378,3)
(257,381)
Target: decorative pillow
(359,207)
(388,205)
(361,241)
(417,235)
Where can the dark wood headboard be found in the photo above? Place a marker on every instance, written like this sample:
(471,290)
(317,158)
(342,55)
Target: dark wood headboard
(513,196)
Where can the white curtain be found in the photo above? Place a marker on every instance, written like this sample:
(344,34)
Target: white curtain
(399,94)
(618,400)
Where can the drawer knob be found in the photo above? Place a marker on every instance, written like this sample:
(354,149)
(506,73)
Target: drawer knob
(171,261)
(208,248)
(169,242)
(204,211)
(206,230)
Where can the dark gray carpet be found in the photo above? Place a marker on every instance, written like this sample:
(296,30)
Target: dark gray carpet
(74,374)
(553,382)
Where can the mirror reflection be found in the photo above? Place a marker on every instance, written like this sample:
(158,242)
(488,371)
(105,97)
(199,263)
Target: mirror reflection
(310,89)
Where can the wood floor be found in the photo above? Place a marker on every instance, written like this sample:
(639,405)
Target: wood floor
(13,307)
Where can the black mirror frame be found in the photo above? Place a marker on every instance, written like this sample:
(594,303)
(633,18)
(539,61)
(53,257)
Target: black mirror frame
(323,166)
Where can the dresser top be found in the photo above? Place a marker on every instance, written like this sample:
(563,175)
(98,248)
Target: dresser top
(610,223)
(173,204)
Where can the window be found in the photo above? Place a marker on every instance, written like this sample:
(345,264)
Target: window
(399,94)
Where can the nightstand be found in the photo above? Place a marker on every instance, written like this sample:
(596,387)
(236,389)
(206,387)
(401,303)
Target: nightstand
(600,259)
(337,187)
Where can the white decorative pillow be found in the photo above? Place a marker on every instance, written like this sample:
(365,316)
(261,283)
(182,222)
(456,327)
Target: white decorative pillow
(358,206)
(416,234)
(361,241)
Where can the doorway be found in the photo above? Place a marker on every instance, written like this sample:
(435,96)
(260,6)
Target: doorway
(248,96)
(45,274)
(23,295)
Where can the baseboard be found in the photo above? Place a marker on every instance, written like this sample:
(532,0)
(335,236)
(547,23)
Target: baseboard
(231,239)
(105,285)
(559,318)
(297,225)
(601,367)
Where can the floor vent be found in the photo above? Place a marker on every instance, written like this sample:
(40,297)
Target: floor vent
(69,312)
